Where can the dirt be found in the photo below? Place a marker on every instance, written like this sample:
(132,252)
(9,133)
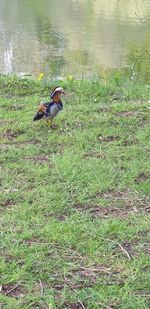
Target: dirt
(40,160)
(87,277)
(127,113)
(13,107)
(32,142)
(141,178)
(71,306)
(34,242)
(76,279)
(7,257)
(72,285)
(129,142)
(5,146)
(68,305)
(102,212)
(94,154)
(37,158)
(115,96)
(128,203)
(17,107)
(142,117)
(37,305)
(9,146)
(136,245)
(3,122)
(110,138)
(80,305)
(13,290)
(104,109)
(8,203)
(9,134)
(61,217)
(130,247)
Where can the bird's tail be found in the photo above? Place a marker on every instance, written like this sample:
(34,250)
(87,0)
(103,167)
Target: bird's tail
(40,113)
(38,116)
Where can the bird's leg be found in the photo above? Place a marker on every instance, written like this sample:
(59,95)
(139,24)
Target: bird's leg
(51,123)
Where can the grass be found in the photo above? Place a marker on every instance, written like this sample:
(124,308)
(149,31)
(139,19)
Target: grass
(75,222)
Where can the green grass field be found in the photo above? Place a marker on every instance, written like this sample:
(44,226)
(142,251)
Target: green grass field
(75,207)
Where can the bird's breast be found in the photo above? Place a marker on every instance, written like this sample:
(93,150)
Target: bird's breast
(52,111)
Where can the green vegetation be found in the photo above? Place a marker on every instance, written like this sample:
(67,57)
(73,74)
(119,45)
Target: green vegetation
(75,207)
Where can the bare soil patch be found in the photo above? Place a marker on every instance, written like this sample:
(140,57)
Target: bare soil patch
(9,134)
(4,146)
(129,248)
(13,107)
(8,204)
(95,154)
(102,212)
(139,115)
(68,305)
(121,204)
(18,144)
(55,216)
(87,277)
(136,246)
(13,290)
(61,217)
(8,257)
(5,122)
(141,178)
(40,160)
(31,141)
(126,143)
(104,109)
(16,107)
(110,138)
(127,113)
(34,242)
(128,198)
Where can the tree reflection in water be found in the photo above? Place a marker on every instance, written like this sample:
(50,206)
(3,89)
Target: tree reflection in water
(72,37)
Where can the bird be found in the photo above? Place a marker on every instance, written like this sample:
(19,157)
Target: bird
(48,111)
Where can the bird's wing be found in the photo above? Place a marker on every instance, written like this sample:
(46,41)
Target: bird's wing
(44,110)
(41,111)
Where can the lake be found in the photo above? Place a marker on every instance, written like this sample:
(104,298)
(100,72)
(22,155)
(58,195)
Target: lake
(78,37)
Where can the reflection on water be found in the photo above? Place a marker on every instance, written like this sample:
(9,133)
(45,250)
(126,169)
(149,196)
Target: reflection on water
(71,36)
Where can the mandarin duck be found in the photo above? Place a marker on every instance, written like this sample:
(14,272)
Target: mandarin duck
(48,111)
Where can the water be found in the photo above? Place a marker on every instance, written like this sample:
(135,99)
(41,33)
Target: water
(72,37)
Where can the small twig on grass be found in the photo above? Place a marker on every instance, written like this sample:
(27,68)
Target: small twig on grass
(41,286)
(99,269)
(104,306)
(125,251)
(80,302)
(43,306)
(12,289)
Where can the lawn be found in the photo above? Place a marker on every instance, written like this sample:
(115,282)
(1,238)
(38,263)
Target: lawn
(75,203)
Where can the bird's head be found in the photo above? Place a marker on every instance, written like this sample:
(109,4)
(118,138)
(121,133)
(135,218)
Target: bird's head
(57,93)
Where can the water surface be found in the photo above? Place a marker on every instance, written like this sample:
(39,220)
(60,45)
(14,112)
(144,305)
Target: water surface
(63,37)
